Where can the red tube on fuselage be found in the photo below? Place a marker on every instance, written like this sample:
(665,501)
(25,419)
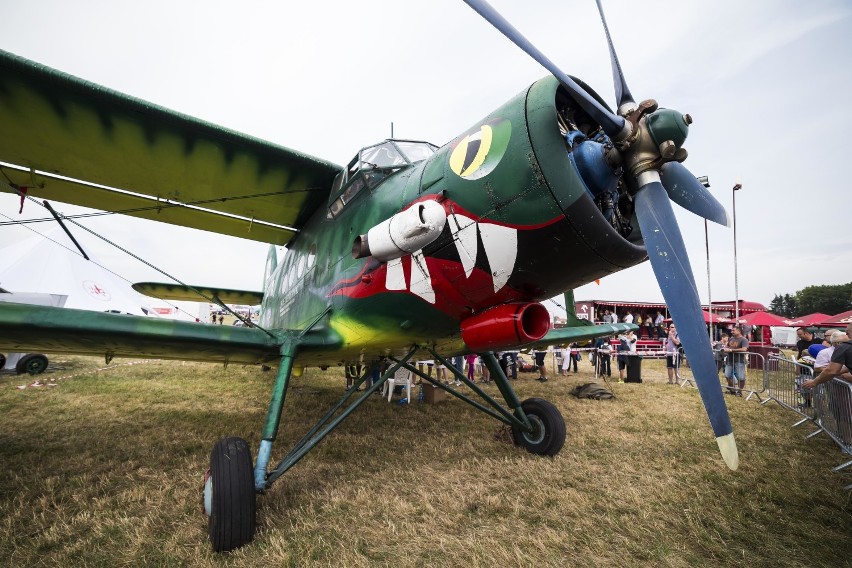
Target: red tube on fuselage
(505,326)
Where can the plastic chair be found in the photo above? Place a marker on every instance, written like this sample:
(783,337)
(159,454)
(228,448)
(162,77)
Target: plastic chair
(402,376)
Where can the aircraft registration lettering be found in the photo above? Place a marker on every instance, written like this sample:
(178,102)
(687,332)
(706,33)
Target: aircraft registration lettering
(478,153)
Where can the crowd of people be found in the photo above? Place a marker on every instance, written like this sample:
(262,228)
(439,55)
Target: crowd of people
(650,325)
(730,351)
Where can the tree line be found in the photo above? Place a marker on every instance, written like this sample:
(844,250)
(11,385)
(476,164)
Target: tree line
(826,299)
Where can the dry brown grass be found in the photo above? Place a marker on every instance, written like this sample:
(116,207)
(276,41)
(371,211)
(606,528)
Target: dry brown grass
(105,470)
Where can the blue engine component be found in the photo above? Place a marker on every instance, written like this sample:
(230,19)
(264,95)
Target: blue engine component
(589,157)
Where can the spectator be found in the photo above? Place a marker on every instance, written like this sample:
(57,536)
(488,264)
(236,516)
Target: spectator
(719,352)
(626,346)
(565,353)
(604,356)
(513,355)
(806,339)
(628,317)
(840,364)
(353,373)
(470,360)
(672,348)
(486,373)
(539,362)
(736,365)
(658,323)
(823,358)
(429,365)
(458,363)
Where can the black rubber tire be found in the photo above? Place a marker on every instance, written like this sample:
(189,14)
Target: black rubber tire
(549,436)
(232,520)
(2,361)
(33,364)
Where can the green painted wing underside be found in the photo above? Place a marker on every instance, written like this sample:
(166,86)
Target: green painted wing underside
(165,291)
(60,124)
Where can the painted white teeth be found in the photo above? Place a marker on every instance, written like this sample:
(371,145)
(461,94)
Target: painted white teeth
(501,248)
(421,281)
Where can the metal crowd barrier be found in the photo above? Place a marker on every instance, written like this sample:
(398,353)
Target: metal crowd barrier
(783,379)
(832,402)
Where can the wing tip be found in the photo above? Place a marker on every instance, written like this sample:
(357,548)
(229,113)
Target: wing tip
(728,449)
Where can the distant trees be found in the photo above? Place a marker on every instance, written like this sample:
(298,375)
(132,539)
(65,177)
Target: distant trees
(826,299)
(784,306)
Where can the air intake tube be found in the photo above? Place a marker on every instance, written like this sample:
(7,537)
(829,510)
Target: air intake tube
(404,233)
(505,326)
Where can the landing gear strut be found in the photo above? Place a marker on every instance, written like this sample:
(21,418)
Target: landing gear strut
(232,482)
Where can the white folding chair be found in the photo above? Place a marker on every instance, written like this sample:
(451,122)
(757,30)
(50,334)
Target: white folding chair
(402,376)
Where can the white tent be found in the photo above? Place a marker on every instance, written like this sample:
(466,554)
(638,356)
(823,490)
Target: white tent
(43,265)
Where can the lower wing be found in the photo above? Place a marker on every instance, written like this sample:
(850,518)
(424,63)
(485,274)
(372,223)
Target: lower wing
(27,328)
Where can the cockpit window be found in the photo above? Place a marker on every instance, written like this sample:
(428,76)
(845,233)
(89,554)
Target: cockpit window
(416,151)
(372,166)
(382,156)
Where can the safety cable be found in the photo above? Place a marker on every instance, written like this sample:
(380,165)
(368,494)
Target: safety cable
(69,249)
(213,300)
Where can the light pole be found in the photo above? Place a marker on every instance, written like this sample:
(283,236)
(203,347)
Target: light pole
(705,181)
(737,187)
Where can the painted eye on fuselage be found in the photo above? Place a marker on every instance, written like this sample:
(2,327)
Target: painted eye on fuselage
(479,152)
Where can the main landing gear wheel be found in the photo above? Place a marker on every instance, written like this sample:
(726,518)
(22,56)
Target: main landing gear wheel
(548,435)
(33,364)
(229,497)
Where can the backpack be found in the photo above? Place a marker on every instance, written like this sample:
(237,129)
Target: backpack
(592,390)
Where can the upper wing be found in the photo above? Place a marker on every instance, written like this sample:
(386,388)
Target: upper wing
(182,170)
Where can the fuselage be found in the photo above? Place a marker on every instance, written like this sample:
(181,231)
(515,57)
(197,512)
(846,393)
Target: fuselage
(523,224)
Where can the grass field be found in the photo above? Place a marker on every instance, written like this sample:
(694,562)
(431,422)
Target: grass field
(106,470)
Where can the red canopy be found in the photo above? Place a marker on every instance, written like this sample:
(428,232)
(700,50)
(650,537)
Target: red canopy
(762,318)
(810,319)
(838,320)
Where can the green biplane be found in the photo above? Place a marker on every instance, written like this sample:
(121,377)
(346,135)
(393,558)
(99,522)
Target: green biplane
(409,251)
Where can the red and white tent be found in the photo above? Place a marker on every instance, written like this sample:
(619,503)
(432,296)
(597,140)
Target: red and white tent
(839,320)
(810,319)
(762,318)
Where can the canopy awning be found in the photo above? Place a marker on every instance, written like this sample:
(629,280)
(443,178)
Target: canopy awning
(762,318)
(837,321)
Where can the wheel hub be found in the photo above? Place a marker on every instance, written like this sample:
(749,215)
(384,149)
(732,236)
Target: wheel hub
(207,494)
(536,435)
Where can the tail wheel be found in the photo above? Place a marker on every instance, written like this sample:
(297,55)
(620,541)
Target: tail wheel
(32,364)
(229,496)
(548,434)
(2,361)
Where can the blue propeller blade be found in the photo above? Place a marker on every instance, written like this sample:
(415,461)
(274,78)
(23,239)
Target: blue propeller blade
(622,93)
(611,123)
(690,194)
(674,274)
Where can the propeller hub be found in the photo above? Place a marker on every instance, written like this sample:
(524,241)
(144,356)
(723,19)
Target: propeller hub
(658,137)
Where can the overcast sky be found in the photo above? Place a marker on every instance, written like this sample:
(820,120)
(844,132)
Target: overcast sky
(763,80)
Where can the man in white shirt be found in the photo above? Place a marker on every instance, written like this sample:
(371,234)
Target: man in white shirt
(628,318)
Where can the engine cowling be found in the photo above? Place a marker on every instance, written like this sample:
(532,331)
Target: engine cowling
(505,326)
